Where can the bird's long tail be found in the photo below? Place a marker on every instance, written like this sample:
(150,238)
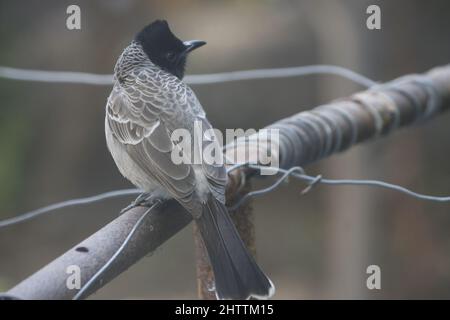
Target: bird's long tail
(237,276)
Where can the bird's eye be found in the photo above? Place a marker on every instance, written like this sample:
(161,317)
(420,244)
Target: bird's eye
(170,56)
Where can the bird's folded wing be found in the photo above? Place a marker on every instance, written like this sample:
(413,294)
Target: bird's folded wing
(139,118)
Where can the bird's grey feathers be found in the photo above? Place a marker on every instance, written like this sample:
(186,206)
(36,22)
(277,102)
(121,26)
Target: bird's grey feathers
(145,106)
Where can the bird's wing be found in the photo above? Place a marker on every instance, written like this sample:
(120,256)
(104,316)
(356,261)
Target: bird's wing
(142,117)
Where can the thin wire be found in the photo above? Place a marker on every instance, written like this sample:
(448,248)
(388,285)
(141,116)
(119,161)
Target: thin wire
(68,203)
(318,179)
(78,201)
(55,76)
(88,284)
(106,79)
(98,79)
(272,187)
(280,73)
(286,173)
(78,77)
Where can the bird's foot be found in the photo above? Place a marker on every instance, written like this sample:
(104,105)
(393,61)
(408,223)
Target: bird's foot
(145,199)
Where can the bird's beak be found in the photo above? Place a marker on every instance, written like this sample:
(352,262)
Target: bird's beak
(192,44)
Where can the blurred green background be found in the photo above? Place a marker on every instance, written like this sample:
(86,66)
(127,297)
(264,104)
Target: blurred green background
(52,144)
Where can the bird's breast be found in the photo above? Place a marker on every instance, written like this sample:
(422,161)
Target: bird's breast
(128,168)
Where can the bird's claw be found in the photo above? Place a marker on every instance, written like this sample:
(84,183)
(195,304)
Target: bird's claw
(143,200)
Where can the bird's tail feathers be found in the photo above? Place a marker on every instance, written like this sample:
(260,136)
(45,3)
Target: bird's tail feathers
(237,276)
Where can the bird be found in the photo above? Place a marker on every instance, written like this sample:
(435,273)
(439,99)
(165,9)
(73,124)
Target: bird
(148,102)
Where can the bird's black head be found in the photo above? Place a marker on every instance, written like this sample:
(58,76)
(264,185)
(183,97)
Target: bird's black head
(164,49)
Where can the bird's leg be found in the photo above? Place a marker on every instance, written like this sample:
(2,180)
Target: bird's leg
(145,199)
